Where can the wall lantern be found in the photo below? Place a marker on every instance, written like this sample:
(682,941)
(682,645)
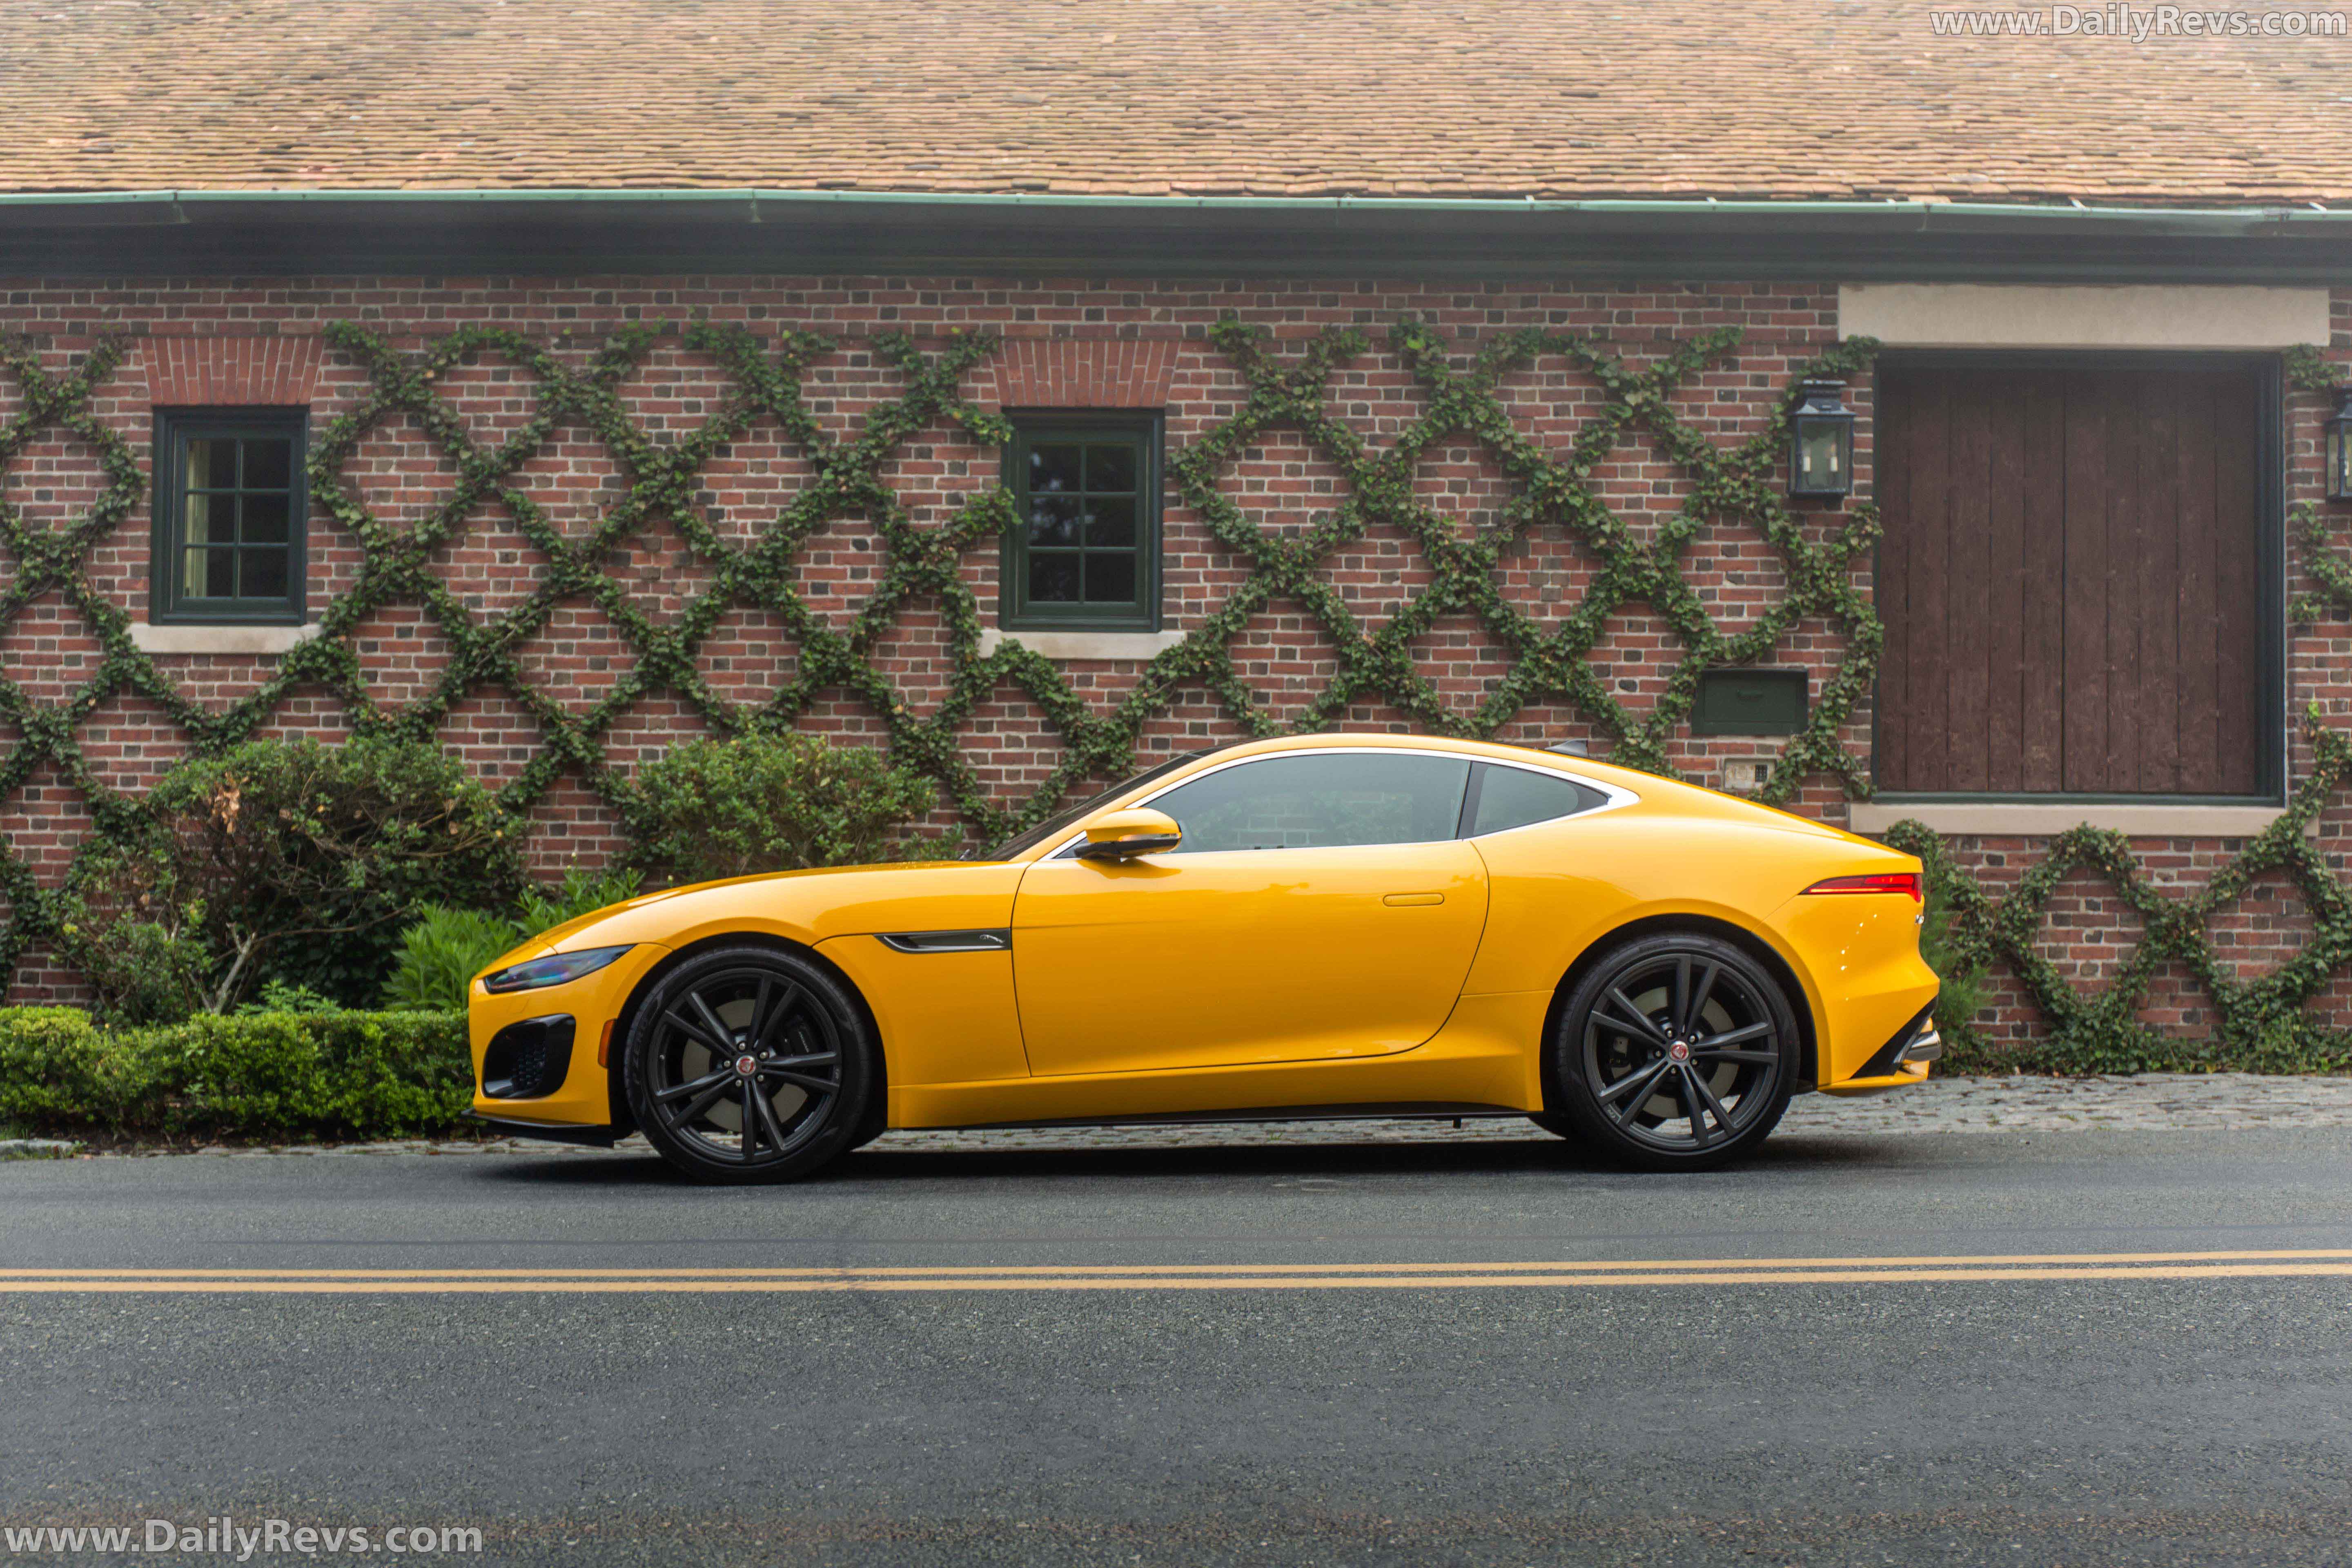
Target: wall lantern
(2339,449)
(1821,441)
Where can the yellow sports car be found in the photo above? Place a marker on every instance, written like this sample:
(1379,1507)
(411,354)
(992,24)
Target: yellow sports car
(1315,926)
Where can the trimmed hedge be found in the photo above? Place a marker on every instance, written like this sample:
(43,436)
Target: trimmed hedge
(261,1077)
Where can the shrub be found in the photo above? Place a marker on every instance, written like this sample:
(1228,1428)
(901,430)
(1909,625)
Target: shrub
(142,949)
(579,893)
(445,948)
(287,861)
(1962,996)
(441,953)
(760,803)
(248,1075)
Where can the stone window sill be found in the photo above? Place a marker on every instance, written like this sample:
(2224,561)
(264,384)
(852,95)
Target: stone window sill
(1083,645)
(2036,819)
(220,639)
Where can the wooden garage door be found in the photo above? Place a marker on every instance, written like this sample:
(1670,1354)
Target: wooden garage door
(2070,580)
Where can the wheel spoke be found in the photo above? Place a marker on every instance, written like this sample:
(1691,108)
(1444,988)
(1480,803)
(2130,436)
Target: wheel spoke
(758,1024)
(751,1120)
(768,1120)
(1691,1107)
(711,1021)
(1697,1006)
(1678,1006)
(1634,1088)
(806,1080)
(763,1032)
(1703,1055)
(1635,1018)
(702,1102)
(680,1091)
(694,1031)
(1707,1093)
(1733,1036)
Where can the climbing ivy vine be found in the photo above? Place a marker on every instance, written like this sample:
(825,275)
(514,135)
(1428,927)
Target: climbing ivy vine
(1288,390)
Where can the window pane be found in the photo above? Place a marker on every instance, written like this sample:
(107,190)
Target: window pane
(1513,797)
(196,514)
(1110,524)
(211,573)
(1054,579)
(212,465)
(1054,468)
(268,464)
(1054,520)
(1110,467)
(263,519)
(1110,579)
(1320,802)
(265,574)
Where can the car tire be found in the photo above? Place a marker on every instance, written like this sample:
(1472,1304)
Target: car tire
(749,1064)
(1676,1051)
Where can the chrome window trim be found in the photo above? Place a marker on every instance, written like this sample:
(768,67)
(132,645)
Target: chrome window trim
(1618,796)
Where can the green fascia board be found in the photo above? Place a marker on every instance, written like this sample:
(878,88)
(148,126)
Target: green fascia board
(2207,219)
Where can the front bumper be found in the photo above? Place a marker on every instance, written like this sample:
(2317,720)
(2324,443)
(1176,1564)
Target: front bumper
(594,1137)
(582,1098)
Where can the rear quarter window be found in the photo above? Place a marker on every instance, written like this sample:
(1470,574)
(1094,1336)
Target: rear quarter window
(1515,797)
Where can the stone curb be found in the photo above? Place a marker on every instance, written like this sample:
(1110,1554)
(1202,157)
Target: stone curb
(2150,1102)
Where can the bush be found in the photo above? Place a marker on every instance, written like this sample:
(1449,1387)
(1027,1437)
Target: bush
(286,861)
(265,1076)
(1963,992)
(762,802)
(141,949)
(440,955)
(445,948)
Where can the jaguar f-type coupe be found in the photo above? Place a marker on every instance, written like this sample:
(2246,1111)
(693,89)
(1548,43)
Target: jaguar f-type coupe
(1309,927)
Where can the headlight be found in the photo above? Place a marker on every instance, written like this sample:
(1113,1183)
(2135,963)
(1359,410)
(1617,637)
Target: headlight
(535,974)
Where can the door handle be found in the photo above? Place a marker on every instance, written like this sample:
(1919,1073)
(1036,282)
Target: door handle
(1410,901)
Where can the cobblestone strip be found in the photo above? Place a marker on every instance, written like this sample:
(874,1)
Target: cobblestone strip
(2152,1102)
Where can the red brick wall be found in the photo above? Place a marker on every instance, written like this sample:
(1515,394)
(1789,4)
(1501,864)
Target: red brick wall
(1067,343)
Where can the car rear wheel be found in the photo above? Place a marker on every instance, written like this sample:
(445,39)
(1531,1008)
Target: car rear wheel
(749,1064)
(1677,1052)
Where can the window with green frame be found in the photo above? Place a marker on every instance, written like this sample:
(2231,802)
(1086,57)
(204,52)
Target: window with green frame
(1085,554)
(230,510)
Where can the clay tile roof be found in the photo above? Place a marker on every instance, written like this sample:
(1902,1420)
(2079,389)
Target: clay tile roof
(1647,99)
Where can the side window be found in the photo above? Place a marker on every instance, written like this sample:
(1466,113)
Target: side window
(1514,797)
(229,516)
(1085,554)
(1320,802)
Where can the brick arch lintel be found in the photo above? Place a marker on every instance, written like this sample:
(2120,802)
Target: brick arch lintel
(228,372)
(1082,373)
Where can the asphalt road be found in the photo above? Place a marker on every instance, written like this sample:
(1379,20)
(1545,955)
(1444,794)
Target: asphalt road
(1217,1395)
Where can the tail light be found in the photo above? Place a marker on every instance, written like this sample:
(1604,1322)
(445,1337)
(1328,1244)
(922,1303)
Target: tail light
(1903,883)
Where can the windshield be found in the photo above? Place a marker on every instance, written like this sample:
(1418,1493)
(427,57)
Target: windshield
(1060,821)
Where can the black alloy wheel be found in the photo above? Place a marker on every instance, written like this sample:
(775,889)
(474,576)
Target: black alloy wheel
(749,1064)
(1677,1052)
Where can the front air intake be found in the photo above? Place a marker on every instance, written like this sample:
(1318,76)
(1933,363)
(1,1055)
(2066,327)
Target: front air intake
(527,1060)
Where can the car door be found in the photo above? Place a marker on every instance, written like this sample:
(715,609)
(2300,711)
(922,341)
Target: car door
(1320,906)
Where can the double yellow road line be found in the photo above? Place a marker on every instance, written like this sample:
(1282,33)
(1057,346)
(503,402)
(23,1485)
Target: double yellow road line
(1552,1274)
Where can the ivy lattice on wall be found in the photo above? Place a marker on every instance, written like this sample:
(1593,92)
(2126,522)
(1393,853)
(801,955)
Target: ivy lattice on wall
(1551,486)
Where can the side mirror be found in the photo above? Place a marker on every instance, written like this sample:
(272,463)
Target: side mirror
(1122,834)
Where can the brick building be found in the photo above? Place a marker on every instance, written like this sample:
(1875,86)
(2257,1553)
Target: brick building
(1375,364)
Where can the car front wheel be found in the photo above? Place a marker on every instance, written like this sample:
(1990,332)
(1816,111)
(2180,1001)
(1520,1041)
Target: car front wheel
(749,1064)
(1677,1052)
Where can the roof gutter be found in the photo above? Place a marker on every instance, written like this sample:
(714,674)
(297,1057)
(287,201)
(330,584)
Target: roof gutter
(1920,214)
